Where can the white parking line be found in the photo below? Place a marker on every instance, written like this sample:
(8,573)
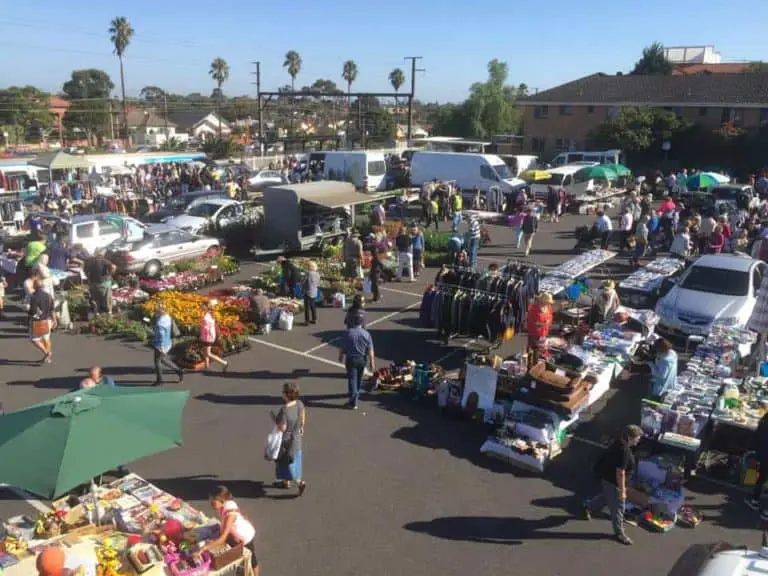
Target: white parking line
(28,498)
(296,352)
(369,325)
(405,292)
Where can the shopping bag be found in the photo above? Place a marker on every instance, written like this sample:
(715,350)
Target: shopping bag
(40,328)
(298,292)
(340,301)
(285,321)
(272,445)
(367,287)
(274,315)
(509,333)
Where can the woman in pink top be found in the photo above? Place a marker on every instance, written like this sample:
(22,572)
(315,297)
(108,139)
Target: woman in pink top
(208,334)
(236,529)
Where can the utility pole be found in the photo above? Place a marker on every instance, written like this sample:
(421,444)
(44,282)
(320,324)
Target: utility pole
(413,60)
(259,107)
(165,113)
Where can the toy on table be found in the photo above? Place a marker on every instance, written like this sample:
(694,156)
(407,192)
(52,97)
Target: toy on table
(657,523)
(50,525)
(108,561)
(689,517)
(195,564)
(143,557)
(14,545)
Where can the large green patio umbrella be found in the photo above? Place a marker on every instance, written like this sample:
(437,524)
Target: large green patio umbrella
(621,170)
(50,448)
(600,172)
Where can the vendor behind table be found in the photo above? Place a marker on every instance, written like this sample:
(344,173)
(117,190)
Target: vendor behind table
(662,369)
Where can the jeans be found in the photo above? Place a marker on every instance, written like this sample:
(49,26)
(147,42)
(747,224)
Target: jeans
(517,234)
(456,221)
(161,357)
(417,258)
(355,373)
(605,239)
(609,494)
(310,309)
(474,246)
(528,241)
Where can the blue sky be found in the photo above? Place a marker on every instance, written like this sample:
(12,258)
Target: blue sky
(545,44)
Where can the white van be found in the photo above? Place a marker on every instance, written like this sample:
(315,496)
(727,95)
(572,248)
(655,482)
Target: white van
(519,163)
(365,169)
(466,169)
(596,156)
(563,177)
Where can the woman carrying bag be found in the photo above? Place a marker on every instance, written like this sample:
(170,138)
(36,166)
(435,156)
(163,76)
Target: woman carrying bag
(208,334)
(290,419)
(41,320)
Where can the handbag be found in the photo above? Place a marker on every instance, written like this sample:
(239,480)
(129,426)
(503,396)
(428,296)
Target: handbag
(40,328)
(272,445)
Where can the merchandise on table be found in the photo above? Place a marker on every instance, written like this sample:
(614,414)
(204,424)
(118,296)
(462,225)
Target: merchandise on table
(743,405)
(643,280)
(613,339)
(666,266)
(583,263)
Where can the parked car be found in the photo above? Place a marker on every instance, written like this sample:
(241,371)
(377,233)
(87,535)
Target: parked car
(731,196)
(264,179)
(220,212)
(179,204)
(160,245)
(716,288)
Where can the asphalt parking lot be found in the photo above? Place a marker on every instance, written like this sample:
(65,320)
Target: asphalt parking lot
(393,488)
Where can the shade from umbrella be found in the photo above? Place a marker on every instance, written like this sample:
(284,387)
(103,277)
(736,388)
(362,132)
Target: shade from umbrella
(600,172)
(59,161)
(621,170)
(721,178)
(50,448)
(535,175)
(701,180)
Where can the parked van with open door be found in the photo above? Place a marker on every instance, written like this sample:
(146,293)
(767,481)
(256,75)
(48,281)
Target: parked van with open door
(466,169)
(565,178)
(365,169)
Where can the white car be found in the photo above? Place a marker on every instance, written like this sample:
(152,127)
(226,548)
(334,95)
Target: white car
(264,179)
(717,288)
(220,212)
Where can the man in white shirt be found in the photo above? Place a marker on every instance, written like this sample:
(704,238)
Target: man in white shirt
(705,233)
(625,226)
(604,227)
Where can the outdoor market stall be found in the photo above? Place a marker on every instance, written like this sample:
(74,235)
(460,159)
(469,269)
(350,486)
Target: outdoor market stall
(559,278)
(640,288)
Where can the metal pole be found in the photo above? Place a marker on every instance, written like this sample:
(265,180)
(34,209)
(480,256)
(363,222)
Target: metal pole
(259,108)
(165,112)
(413,60)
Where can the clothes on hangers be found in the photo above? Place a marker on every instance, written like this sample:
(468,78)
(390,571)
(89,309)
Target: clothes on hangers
(468,312)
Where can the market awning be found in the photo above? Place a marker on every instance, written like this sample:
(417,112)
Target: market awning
(59,161)
(329,193)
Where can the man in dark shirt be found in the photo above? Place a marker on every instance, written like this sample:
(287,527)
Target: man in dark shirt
(260,308)
(41,320)
(614,470)
(98,270)
(356,352)
(291,276)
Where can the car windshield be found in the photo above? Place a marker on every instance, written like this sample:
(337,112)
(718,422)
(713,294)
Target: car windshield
(553,180)
(377,168)
(203,209)
(717,281)
(502,171)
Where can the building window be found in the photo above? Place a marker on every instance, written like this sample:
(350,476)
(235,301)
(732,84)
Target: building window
(590,109)
(541,112)
(562,145)
(678,111)
(702,112)
(726,115)
(565,111)
(763,115)
(538,144)
(738,116)
(612,112)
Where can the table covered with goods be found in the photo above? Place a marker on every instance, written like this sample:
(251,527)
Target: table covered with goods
(127,527)
(560,277)
(639,288)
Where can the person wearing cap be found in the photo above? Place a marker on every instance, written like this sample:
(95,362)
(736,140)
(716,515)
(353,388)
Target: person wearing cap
(614,470)
(606,304)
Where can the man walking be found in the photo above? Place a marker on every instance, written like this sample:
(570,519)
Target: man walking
(356,352)
(529,226)
(473,243)
(164,331)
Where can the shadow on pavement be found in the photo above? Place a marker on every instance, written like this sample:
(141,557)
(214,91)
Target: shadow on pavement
(311,401)
(67,383)
(199,488)
(496,530)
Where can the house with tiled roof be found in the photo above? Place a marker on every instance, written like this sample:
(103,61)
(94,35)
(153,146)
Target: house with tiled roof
(562,117)
(200,124)
(148,128)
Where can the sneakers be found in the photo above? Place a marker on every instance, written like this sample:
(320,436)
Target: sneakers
(752,503)
(624,539)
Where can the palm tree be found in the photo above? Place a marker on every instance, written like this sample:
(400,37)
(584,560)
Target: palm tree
(292,64)
(120,34)
(219,71)
(397,79)
(349,73)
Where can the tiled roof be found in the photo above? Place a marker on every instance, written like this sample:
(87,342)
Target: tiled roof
(723,68)
(146,118)
(714,89)
(190,118)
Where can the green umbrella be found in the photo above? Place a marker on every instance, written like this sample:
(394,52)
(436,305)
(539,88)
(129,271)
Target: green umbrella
(50,448)
(621,170)
(701,180)
(600,172)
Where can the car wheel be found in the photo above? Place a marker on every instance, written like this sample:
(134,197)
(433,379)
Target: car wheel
(212,252)
(152,269)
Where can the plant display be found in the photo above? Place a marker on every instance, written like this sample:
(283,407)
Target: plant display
(231,314)
(118,327)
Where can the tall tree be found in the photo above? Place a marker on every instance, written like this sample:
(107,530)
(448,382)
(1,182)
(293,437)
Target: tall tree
(292,64)
(654,62)
(25,114)
(152,94)
(349,73)
(397,79)
(522,90)
(757,67)
(120,34)
(637,129)
(219,71)
(91,109)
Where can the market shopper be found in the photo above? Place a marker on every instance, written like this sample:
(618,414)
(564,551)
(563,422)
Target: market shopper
(376,274)
(353,256)
(606,304)
(641,241)
(604,227)
(290,276)
(614,470)
(355,353)
(418,243)
(236,529)
(355,310)
(98,271)
(311,291)
(291,418)
(41,320)
(760,446)
(3,286)
(663,368)
(473,240)
(681,244)
(529,226)
(209,332)
(163,333)
(259,308)
(404,254)
(457,205)
(95,378)
(455,243)
(516,223)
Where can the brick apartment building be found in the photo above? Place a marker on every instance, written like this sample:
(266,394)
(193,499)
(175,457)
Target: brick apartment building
(561,118)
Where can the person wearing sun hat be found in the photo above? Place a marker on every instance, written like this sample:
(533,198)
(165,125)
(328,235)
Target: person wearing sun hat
(607,303)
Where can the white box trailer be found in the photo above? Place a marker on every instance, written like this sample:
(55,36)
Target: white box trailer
(365,169)
(467,170)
